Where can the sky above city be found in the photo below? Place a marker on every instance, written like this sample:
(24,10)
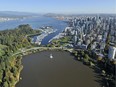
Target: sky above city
(59,6)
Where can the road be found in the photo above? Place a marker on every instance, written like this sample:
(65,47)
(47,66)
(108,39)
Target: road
(43,48)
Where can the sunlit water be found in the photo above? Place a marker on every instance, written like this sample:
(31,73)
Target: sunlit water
(36,23)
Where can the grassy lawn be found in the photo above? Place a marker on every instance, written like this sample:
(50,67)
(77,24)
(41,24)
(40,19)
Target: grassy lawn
(61,42)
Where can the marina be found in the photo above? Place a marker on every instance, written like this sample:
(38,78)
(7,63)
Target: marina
(45,32)
(40,22)
(60,35)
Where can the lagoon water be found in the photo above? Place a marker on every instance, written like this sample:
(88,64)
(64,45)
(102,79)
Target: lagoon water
(60,71)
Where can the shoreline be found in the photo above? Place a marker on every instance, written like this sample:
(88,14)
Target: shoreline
(96,69)
(69,54)
(37,39)
(37,51)
(30,53)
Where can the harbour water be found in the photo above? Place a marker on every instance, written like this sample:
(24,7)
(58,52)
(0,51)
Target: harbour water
(59,71)
(35,23)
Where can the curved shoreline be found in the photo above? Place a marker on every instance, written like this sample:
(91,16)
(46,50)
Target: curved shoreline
(70,61)
(37,49)
(31,51)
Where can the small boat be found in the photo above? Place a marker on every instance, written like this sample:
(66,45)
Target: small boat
(51,56)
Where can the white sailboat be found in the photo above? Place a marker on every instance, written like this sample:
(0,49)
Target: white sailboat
(51,56)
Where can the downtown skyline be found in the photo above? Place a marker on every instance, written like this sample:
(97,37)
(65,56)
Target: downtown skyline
(59,6)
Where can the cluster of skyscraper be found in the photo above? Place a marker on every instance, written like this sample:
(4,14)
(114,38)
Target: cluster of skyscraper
(94,32)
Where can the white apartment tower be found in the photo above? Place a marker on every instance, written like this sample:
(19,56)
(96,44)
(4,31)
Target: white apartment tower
(112,52)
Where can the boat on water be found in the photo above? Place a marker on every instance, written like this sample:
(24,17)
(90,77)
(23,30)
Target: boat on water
(51,56)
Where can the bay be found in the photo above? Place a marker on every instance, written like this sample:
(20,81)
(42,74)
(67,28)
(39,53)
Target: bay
(35,23)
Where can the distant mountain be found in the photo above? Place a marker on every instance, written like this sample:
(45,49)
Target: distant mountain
(53,14)
(89,14)
(16,14)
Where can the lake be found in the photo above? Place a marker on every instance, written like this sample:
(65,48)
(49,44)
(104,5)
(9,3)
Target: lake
(60,71)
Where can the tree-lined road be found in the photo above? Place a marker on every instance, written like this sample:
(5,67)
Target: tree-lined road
(43,48)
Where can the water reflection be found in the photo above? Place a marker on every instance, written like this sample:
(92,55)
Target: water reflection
(60,71)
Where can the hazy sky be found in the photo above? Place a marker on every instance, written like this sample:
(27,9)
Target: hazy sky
(59,6)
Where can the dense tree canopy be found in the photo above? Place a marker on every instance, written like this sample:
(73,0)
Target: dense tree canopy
(10,42)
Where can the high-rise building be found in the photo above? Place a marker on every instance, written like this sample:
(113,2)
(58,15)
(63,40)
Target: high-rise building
(75,40)
(112,52)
